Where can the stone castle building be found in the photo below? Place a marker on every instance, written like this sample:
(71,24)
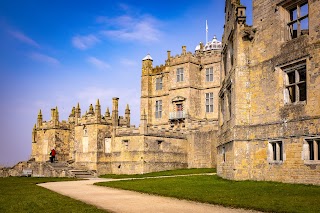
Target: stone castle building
(248,105)
(178,124)
(269,119)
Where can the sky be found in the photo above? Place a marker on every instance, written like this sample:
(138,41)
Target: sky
(59,53)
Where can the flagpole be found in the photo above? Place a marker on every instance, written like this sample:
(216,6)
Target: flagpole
(206,31)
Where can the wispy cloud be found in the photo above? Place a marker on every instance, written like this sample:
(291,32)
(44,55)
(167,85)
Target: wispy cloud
(23,38)
(128,62)
(98,63)
(129,28)
(84,42)
(43,58)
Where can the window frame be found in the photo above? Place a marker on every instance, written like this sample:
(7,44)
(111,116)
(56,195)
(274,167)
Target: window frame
(180,74)
(276,151)
(297,89)
(209,102)
(209,74)
(159,83)
(297,18)
(312,152)
(158,109)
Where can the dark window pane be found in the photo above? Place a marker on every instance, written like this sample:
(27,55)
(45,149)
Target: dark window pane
(291,77)
(274,149)
(293,14)
(302,73)
(281,151)
(302,92)
(311,150)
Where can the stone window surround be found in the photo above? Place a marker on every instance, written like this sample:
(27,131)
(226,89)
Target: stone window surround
(158,109)
(298,69)
(179,74)
(276,152)
(209,102)
(209,74)
(316,150)
(159,83)
(295,19)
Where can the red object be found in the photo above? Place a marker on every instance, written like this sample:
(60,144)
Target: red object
(53,153)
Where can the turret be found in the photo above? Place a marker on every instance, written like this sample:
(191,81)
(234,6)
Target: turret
(98,112)
(39,119)
(127,115)
(56,114)
(78,111)
(147,65)
(34,133)
(115,113)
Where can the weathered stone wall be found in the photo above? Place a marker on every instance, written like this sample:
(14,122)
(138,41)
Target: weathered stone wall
(202,149)
(262,113)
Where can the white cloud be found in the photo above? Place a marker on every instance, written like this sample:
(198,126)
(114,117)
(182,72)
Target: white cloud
(126,27)
(23,38)
(84,42)
(98,63)
(43,58)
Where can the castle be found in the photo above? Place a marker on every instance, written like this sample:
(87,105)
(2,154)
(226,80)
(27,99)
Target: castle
(248,105)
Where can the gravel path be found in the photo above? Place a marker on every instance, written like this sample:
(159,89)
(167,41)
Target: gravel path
(122,201)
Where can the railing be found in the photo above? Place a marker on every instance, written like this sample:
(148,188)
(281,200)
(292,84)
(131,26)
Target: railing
(177,115)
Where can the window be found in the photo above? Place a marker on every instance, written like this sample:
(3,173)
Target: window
(209,74)
(313,149)
(179,74)
(229,101)
(295,83)
(298,23)
(209,102)
(159,142)
(276,151)
(179,107)
(159,83)
(224,154)
(158,109)
(125,144)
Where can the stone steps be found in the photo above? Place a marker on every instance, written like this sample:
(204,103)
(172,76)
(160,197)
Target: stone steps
(79,173)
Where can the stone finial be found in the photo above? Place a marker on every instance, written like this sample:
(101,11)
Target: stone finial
(35,126)
(184,50)
(73,112)
(98,102)
(107,114)
(78,106)
(169,54)
(40,113)
(91,109)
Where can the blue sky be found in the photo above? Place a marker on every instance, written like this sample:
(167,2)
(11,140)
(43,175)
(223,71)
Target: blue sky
(59,53)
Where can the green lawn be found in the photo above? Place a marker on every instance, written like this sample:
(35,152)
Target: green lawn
(21,194)
(263,196)
(163,173)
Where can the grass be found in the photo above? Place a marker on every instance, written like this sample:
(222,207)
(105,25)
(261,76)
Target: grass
(262,196)
(21,194)
(162,173)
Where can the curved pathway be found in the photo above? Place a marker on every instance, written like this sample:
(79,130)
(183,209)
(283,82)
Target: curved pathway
(123,201)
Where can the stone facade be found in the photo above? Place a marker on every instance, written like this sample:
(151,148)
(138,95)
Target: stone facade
(269,126)
(178,127)
(248,105)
